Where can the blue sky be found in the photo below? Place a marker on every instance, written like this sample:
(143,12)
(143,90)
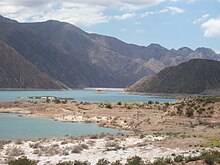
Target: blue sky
(170,23)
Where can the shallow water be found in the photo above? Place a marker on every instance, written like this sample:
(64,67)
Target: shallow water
(14,127)
(82,95)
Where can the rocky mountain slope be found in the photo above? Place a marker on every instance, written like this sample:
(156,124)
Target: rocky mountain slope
(79,59)
(192,77)
(17,72)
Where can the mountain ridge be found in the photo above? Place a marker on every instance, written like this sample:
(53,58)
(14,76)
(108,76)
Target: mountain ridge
(14,75)
(80,59)
(192,77)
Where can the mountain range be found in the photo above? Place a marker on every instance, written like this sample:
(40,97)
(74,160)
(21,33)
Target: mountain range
(193,77)
(17,72)
(80,59)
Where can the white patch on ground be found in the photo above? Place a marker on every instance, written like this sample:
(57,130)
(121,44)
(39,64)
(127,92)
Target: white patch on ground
(97,149)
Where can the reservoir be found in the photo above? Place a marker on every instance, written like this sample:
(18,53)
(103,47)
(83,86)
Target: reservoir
(13,126)
(83,95)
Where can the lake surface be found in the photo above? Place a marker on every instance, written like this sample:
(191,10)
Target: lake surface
(82,95)
(14,127)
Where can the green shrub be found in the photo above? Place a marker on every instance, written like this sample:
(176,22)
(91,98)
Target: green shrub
(179,111)
(65,163)
(22,161)
(119,103)
(211,157)
(150,102)
(102,162)
(117,162)
(135,160)
(77,162)
(109,106)
(189,112)
(167,104)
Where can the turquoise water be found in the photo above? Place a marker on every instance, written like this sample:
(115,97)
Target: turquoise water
(82,95)
(14,127)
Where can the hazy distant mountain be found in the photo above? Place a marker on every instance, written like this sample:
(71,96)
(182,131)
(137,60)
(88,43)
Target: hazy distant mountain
(80,59)
(17,72)
(193,77)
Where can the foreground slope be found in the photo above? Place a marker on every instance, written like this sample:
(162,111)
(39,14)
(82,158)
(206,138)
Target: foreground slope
(16,72)
(191,77)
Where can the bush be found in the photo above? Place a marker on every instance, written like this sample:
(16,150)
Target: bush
(119,103)
(22,161)
(167,104)
(189,112)
(178,158)
(211,157)
(117,162)
(102,162)
(150,102)
(179,110)
(135,160)
(159,161)
(77,162)
(109,106)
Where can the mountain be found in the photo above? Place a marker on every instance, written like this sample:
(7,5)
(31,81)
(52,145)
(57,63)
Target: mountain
(79,59)
(17,72)
(6,20)
(192,77)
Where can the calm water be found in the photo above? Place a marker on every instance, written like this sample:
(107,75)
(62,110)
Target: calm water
(82,95)
(15,127)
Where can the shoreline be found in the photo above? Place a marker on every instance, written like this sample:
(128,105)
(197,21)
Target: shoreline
(147,121)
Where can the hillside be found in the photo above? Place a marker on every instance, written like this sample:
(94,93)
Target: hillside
(16,72)
(193,77)
(79,59)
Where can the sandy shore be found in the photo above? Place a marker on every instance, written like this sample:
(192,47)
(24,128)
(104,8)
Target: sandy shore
(158,130)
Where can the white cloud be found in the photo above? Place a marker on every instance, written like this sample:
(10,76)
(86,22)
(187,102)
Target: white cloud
(172,10)
(146,14)
(124,16)
(212,28)
(80,12)
(201,19)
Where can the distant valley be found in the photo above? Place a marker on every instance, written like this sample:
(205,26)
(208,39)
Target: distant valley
(78,59)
